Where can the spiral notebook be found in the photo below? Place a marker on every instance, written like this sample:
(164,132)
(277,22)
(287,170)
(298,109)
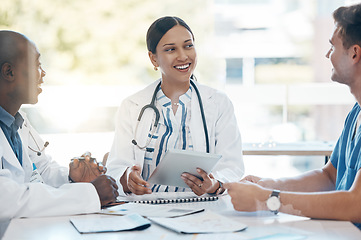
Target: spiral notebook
(177,200)
(167,197)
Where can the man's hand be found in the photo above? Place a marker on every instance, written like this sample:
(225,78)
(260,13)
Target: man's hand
(263,182)
(247,196)
(251,178)
(107,189)
(85,169)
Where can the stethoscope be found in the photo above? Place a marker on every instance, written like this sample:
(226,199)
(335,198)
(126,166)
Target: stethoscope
(39,151)
(157,116)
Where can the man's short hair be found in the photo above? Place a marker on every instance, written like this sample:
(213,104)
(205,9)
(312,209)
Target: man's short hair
(348,21)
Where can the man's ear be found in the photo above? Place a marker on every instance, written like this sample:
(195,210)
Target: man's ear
(356,53)
(153,59)
(7,72)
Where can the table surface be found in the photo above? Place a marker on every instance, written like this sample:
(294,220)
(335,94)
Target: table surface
(260,224)
(295,149)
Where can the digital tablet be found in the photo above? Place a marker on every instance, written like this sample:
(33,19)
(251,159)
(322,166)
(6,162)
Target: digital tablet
(175,162)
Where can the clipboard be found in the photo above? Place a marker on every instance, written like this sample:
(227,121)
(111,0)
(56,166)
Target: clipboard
(176,161)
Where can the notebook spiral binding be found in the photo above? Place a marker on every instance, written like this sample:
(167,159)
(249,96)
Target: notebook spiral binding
(177,200)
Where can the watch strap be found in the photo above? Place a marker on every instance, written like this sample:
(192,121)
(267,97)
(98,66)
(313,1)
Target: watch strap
(219,190)
(275,193)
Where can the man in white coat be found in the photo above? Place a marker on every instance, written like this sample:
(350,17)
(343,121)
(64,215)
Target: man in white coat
(32,185)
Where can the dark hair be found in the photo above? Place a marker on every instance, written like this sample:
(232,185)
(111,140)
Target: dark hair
(160,27)
(348,21)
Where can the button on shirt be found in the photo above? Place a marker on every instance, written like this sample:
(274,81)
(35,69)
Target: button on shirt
(10,126)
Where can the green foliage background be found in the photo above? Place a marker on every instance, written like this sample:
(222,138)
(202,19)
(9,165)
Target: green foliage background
(103,42)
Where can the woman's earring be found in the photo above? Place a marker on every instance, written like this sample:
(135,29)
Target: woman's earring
(155,68)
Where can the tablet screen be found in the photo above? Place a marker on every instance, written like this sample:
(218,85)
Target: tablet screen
(175,162)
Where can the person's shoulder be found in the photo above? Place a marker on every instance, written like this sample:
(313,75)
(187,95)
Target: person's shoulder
(210,92)
(143,95)
(352,115)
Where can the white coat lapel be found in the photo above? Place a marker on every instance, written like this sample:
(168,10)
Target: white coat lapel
(9,157)
(24,133)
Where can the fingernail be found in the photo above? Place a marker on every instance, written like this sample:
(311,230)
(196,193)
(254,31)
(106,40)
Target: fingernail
(198,170)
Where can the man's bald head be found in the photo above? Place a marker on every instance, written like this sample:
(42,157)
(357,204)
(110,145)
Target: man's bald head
(20,71)
(13,45)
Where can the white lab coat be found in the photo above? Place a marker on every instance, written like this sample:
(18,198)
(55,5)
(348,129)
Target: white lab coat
(20,198)
(224,135)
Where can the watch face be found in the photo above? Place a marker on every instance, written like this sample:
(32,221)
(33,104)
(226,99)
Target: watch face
(273,203)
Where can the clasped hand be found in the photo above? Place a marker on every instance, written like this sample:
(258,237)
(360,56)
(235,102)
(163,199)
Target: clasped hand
(85,168)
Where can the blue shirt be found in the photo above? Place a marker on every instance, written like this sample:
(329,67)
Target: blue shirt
(10,126)
(346,155)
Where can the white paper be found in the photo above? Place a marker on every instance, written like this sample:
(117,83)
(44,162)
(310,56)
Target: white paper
(98,223)
(148,210)
(204,222)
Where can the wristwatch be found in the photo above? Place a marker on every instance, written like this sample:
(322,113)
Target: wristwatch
(219,190)
(273,202)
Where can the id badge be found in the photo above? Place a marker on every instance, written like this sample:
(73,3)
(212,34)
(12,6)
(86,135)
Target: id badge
(35,175)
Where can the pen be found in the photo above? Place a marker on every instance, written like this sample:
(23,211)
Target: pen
(83,158)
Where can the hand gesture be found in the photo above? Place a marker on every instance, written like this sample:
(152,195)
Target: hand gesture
(85,168)
(247,196)
(136,184)
(264,182)
(200,186)
(251,178)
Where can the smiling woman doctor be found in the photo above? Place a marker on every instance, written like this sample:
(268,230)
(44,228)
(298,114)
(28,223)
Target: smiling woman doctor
(174,112)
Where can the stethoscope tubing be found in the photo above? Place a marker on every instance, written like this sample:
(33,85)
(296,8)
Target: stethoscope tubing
(157,116)
(202,114)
